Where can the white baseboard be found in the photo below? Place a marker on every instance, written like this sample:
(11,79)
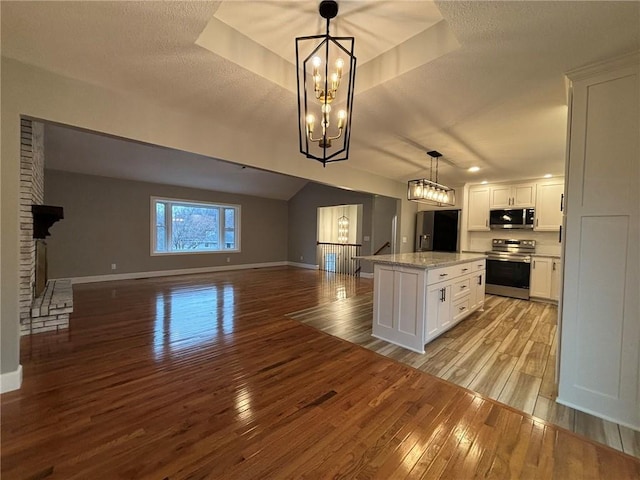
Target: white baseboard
(168,273)
(366,275)
(11,380)
(596,414)
(303,265)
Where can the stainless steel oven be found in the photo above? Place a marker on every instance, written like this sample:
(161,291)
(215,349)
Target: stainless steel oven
(509,267)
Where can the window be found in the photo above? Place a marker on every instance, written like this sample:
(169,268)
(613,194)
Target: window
(182,226)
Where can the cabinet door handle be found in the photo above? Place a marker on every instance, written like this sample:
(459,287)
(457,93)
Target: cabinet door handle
(462,308)
(486,222)
(465,269)
(536,222)
(562,202)
(534,264)
(444,274)
(463,287)
(444,294)
(560,235)
(554,266)
(479,279)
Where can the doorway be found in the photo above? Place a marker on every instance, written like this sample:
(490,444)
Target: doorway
(339,238)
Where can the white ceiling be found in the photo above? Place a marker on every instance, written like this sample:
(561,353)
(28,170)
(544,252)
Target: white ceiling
(494,98)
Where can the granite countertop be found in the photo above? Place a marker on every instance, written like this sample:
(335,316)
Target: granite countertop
(425,260)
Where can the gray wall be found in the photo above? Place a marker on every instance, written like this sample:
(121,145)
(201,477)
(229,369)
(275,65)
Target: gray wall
(106,221)
(384,209)
(377,214)
(303,218)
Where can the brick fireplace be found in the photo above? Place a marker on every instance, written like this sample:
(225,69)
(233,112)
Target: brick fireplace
(43,307)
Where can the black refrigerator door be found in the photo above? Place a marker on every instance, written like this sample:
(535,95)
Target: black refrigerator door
(445,228)
(424,231)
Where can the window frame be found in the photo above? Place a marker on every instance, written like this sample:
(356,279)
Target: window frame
(196,203)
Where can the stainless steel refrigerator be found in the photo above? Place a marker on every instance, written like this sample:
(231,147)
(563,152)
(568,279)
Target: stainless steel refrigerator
(438,231)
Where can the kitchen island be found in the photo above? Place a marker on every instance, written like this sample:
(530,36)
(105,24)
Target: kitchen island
(419,296)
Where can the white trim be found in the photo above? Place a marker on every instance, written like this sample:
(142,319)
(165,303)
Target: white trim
(630,59)
(597,414)
(11,380)
(168,273)
(366,275)
(303,265)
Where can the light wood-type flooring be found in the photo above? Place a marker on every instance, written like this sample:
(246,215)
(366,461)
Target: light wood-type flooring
(506,352)
(205,376)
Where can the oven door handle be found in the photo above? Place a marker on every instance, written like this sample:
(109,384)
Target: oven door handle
(504,259)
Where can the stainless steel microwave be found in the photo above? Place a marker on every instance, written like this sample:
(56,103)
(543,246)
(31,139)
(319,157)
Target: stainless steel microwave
(511,218)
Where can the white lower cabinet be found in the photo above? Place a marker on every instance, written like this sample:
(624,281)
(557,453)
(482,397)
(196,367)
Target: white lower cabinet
(556,278)
(450,301)
(438,310)
(412,306)
(545,278)
(477,280)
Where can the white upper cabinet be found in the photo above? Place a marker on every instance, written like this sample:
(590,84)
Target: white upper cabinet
(478,208)
(549,206)
(500,196)
(522,195)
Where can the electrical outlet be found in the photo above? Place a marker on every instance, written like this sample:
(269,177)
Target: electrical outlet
(301,257)
(404,239)
(228,259)
(113,266)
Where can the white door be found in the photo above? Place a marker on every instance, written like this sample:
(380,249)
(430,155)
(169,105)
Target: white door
(556,275)
(523,195)
(600,358)
(548,211)
(500,196)
(478,208)
(540,277)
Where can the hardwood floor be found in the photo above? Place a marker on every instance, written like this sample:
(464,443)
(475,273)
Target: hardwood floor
(506,352)
(205,377)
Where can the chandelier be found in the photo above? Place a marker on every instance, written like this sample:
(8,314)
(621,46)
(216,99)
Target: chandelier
(429,190)
(343,229)
(326,70)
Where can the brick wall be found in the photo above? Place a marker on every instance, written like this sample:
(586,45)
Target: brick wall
(31,192)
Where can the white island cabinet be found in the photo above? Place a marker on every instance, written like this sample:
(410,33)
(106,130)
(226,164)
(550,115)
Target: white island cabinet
(418,296)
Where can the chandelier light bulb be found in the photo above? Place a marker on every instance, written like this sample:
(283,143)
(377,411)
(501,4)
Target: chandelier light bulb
(317,61)
(342,115)
(311,120)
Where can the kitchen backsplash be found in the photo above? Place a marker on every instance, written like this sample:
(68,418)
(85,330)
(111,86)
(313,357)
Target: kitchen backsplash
(546,242)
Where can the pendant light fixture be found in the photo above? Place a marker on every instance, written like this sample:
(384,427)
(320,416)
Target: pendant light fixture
(326,69)
(343,229)
(429,191)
